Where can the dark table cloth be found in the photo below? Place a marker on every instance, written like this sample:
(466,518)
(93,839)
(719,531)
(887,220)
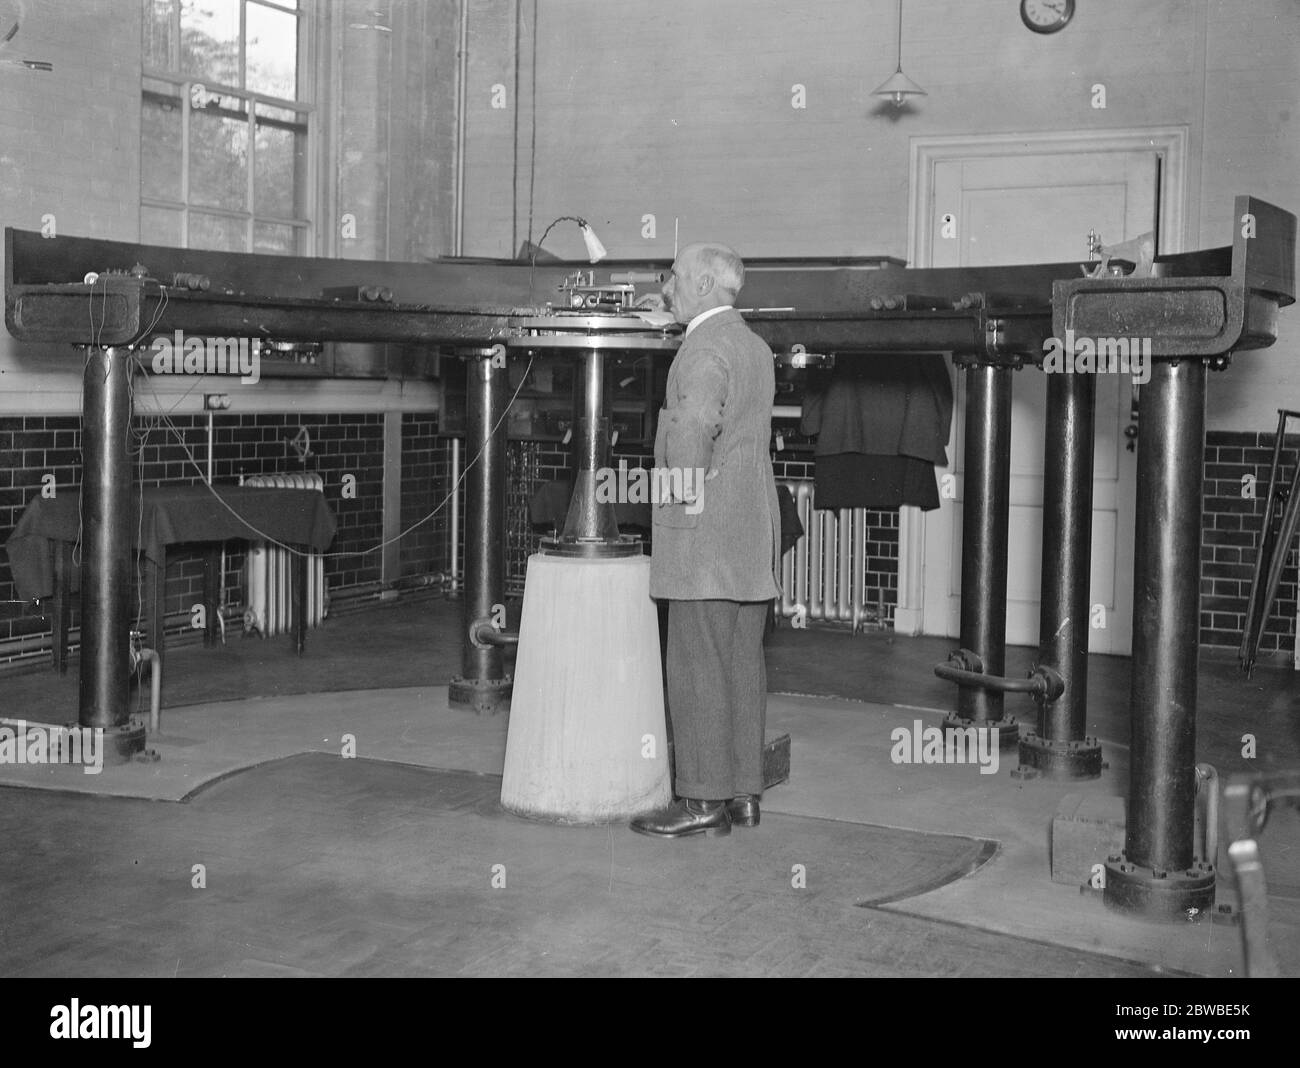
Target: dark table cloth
(172,515)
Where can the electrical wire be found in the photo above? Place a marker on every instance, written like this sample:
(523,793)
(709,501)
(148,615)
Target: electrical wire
(166,421)
(137,438)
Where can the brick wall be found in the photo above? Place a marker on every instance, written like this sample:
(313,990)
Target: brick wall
(244,444)
(251,444)
(427,478)
(1231,530)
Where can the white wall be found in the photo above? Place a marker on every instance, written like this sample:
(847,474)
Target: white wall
(683,109)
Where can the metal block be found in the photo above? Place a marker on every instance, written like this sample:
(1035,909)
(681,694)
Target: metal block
(1086,829)
(776,759)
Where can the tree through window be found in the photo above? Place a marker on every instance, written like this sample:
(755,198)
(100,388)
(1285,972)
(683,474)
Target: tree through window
(226,117)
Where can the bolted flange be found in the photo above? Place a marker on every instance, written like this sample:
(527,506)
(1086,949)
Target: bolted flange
(1156,894)
(1007,728)
(480,695)
(1060,760)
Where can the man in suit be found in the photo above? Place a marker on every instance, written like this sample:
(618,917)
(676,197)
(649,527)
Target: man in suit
(715,532)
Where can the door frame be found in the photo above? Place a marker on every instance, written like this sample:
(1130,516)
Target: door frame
(1169,143)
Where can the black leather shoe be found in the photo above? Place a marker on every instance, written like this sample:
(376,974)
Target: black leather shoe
(684,817)
(743,810)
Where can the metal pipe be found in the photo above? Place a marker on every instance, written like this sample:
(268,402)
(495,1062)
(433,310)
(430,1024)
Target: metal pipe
(484,632)
(593,386)
(483,683)
(1034,684)
(1207,812)
(485,519)
(155,683)
(462,77)
(455,511)
(587,519)
(984,534)
(1162,789)
(1061,749)
(1067,550)
(106,538)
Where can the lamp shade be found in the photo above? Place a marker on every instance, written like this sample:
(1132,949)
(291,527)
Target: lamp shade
(900,87)
(595,250)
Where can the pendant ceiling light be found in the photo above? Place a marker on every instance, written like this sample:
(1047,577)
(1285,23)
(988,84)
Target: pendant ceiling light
(898,87)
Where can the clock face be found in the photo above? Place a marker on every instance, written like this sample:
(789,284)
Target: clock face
(1046,16)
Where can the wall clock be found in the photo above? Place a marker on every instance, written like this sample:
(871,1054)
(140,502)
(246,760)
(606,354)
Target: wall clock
(1046,16)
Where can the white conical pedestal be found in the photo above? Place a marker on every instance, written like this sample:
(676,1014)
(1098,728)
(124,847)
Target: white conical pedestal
(586,742)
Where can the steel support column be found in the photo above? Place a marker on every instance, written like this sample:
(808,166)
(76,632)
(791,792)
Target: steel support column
(484,685)
(106,584)
(1158,873)
(986,501)
(1060,749)
(590,525)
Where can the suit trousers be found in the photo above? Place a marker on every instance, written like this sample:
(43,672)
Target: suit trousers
(717,696)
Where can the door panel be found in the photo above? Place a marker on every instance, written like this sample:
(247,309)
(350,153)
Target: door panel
(1039,208)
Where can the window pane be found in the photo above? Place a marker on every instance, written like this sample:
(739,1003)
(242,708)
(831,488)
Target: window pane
(160,143)
(159,38)
(216,232)
(210,40)
(273,237)
(160,226)
(271,53)
(219,154)
(281,157)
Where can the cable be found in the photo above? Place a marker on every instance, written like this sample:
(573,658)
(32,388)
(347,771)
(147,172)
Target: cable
(532,251)
(357,552)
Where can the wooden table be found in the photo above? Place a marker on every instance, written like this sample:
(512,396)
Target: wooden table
(41,546)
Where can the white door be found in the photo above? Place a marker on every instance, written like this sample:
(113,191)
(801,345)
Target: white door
(1039,208)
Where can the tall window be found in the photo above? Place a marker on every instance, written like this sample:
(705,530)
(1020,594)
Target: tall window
(227,113)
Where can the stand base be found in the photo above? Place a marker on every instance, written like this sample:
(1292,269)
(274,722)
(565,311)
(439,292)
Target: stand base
(481,695)
(588,737)
(1059,760)
(1159,895)
(623,545)
(1008,729)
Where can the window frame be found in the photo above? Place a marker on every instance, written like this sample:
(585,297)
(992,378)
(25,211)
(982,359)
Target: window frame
(306,106)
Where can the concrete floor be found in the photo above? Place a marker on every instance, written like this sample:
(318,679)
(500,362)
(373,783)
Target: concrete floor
(251,702)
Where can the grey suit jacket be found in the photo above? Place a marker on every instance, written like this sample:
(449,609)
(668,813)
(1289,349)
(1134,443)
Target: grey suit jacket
(717,418)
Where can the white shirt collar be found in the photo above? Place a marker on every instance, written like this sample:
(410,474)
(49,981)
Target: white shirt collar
(704,315)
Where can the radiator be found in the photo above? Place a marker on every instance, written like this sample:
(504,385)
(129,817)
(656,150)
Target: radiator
(268,573)
(824,576)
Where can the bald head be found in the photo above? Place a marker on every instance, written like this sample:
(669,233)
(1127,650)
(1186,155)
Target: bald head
(705,275)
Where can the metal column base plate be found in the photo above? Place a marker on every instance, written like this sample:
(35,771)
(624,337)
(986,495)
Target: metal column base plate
(1059,760)
(122,744)
(623,545)
(481,695)
(1159,895)
(1008,729)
